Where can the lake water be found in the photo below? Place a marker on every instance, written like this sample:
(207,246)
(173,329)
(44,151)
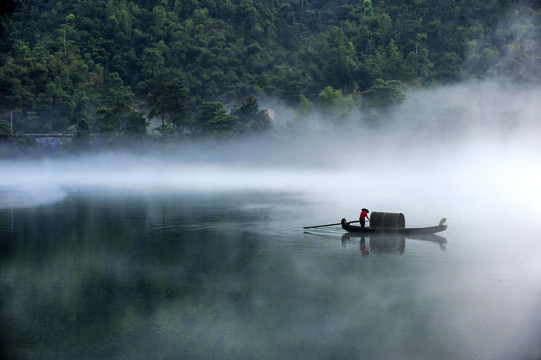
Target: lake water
(173,275)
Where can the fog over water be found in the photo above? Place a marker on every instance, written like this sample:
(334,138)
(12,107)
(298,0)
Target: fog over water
(469,151)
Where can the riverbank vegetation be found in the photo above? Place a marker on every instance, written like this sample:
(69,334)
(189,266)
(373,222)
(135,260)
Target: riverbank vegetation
(201,68)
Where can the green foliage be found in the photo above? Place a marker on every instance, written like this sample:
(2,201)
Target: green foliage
(166,130)
(306,107)
(251,118)
(61,62)
(329,98)
(334,106)
(108,122)
(83,137)
(117,115)
(367,7)
(136,124)
(383,94)
(5,129)
(213,120)
(169,98)
(83,128)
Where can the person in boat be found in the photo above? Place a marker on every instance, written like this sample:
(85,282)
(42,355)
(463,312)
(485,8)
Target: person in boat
(363,216)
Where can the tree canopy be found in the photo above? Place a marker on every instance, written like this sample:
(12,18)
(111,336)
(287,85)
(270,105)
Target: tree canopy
(115,63)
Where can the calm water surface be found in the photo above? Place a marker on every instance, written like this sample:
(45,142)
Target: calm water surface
(182,276)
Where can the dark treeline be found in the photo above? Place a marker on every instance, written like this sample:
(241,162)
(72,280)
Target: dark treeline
(199,66)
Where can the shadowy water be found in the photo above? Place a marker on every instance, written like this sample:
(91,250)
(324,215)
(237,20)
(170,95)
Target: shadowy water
(233,276)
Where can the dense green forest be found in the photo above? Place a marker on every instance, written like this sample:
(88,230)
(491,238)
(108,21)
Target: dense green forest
(200,66)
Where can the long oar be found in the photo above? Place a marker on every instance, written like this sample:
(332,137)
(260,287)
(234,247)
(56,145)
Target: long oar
(316,226)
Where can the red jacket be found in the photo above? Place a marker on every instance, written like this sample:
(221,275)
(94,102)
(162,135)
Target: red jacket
(363,215)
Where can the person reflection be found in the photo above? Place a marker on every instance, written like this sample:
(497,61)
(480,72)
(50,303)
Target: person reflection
(362,245)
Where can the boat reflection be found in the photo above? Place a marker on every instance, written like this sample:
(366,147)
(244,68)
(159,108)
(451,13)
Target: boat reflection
(389,243)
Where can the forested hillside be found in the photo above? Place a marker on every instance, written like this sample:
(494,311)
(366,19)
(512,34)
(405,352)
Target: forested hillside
(200,65)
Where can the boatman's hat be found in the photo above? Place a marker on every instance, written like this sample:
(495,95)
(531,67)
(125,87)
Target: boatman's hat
(363,209)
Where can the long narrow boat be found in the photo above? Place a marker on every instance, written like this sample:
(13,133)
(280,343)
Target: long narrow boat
(399,231)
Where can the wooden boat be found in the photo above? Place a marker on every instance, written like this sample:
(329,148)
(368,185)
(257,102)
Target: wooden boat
(398,231)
